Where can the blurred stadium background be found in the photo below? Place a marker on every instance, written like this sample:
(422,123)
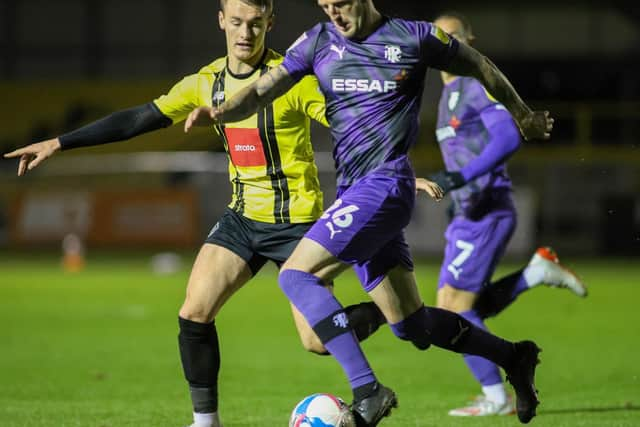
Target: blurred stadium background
(68,62)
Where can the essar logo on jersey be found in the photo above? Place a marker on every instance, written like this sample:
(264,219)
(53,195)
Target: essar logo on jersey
(363,85)
(392,53)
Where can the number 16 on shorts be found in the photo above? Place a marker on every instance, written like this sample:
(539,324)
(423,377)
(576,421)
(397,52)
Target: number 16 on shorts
(339,217)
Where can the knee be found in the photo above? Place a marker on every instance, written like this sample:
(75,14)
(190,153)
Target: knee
(287,280)
(455,300)
(196,312)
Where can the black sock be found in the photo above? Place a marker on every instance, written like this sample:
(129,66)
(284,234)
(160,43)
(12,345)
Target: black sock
(497,296)
(453,332)
(200,355)
(365,318)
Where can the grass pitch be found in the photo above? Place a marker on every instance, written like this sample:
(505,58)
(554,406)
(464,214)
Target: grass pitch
(99,349)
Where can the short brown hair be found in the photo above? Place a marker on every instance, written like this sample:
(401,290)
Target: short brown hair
(264,5)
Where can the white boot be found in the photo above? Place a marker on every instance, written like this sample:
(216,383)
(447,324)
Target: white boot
(545,268)
(482,407)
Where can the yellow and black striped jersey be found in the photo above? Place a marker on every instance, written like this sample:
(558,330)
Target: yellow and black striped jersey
(271,163)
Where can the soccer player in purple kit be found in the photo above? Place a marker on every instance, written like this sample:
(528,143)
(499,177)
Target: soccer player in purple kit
(276,193)
(476,136)
(371,69)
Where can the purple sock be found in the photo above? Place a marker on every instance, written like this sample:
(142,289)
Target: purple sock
(326,316)
(485,371)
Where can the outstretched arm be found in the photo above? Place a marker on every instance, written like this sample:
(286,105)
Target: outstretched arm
(118,126)
(245,103)
(470,62)
(34,154)
(504,141)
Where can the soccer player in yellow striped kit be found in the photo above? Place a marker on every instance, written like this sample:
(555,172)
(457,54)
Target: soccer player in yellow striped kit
(276,193)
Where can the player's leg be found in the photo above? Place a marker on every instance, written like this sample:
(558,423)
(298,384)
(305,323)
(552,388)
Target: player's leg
(397,295)
(544,268)
(494,400)
(365,318)
(351,231)
(410,320)
(473,250)
(277,242)
(222,266)
(217,273)
(301,279)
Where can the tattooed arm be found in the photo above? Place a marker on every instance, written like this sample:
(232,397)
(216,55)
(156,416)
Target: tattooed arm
(245,103)
(470,62)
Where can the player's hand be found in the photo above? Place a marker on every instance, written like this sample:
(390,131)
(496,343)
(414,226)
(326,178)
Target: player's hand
(429,187)
(201,116)
(536,125)
(34,154)
(448,181)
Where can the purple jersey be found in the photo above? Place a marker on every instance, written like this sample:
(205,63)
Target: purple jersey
(373,87)
(468,120)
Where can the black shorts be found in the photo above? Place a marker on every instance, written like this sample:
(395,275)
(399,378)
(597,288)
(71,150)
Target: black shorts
(254,241)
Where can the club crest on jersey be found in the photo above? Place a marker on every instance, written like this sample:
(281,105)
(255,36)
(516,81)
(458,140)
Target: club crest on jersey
(454,97)
(338,50)
(392,53)
(218,96)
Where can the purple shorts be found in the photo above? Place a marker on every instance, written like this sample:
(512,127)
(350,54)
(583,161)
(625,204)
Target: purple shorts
(474,249)
(364,227)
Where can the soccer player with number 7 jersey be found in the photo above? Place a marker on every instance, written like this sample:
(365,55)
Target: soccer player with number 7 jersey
(371,70)
(476,136)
